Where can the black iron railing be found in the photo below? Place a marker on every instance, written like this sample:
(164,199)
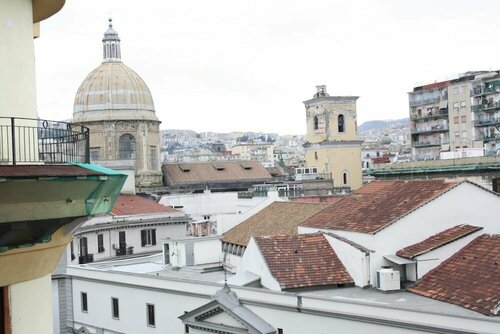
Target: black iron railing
(35,141)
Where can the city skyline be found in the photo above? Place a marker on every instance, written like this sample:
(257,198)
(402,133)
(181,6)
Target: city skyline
(247,67)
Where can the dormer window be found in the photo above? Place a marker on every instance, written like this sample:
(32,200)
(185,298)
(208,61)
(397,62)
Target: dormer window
(341,123)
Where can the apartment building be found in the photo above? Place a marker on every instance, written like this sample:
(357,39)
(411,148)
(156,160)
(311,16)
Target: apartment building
(458,116)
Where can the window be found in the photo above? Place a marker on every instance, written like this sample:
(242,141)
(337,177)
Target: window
(344,178)
(154,157)
(455,120)
(463,104)
(464,134)
(72,251)
(316,123)
(148,237)
(150,310)
(94,154)
(115,311)
(127,147)
(83,298)
(206,217)
(457,134)
(462,89)
(455,90)
(100,243)
(341,124)
(316,155)
(464,119)
(455,105)
(83,246)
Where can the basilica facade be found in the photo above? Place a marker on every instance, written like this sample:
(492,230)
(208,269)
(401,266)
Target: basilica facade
(116,105)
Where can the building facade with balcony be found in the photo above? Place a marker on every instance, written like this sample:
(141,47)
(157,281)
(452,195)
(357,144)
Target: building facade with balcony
(47,186)
(459,115)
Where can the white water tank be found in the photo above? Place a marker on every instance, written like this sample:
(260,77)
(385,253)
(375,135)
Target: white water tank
(388,279)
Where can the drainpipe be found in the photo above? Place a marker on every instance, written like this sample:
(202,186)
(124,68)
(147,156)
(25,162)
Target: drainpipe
(367,257)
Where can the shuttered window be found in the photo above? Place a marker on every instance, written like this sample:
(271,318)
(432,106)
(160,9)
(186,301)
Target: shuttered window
(148,237)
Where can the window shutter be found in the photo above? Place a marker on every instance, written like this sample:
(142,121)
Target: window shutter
(143,238)
(153,236)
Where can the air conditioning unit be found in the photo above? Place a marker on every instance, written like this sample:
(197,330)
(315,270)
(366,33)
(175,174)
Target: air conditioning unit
(388,279)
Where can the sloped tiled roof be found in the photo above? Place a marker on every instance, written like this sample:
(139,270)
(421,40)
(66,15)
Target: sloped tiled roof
(135,205)
(377,205)
(278,218)
(179,174)
(317,199)
(437,240)
(304,260)
(470,278)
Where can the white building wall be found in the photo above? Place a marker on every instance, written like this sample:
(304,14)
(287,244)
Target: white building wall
(133,239)
(355,261)
(55,306)
(205,250)
(432,259)
(172,297)
(31,306)
(464,204)
(17,60)
(254,262)
(225,208)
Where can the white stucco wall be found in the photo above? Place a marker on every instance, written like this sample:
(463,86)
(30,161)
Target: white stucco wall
(432,259)
(133,239)
(172,297)
(464,204)
(17,60)
(225,208)
(31,306)
(205,250)
(355,261)
(254,262)
(55,306)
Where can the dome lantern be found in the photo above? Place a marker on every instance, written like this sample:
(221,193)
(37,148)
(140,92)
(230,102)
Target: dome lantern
(111,44)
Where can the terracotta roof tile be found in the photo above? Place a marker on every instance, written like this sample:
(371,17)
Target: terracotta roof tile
(278,218)
(437,240)
(470,278)
(305,260)
(134,205)
(220,171)
(317,199)
(377,205)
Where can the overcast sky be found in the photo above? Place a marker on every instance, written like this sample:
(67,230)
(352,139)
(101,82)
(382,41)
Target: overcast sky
(248,65)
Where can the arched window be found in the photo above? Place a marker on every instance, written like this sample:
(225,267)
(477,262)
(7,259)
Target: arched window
(344,178)
(127,147)
(341,123)
(316,123)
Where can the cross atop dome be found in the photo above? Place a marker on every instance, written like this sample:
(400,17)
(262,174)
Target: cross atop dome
(111,44)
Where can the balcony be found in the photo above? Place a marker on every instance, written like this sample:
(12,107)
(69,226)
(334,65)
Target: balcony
(489,88)
(87,258)
(431,115)
(429,100)
(431,129)
(430,143)
(487,122)
(36,141)
(486,107)
(489,138)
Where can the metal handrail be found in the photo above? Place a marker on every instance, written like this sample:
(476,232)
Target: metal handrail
(38,141)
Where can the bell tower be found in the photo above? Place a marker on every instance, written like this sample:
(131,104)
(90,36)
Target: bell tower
(332,143)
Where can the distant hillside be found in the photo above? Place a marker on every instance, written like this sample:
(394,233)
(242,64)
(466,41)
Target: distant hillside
(377,124)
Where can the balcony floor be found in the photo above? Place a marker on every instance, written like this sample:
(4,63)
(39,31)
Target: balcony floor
(23,171)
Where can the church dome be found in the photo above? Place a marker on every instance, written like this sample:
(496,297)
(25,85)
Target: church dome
(113,91)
